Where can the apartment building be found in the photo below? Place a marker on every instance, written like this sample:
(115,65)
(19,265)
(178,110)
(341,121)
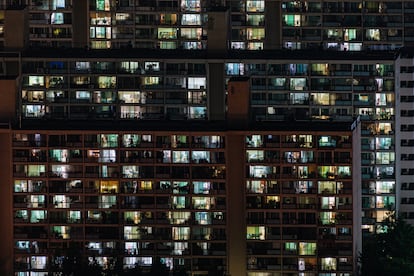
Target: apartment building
(404,123)
(139,198)
(131,96)
(187,24)
(78,73)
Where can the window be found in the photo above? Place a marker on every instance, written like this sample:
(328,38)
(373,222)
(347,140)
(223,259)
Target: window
(328,202)
(130,66)
(205,203)
(190,45)
(82,65)
(20,186)
(385,157)
(254,141)
(179,202)
(83,95)
(61,232)
(191,19)
(107,201)
(327,218)
(108,140)
(307,248)
(133,232)
(298,84)
(58,4)
(38,262)
(180,233)
(57,18)
(255,33)
(36,81)
(179,217)
(179,248)
(191,33)
(350,34)
(197,112)
(291,246)
(255,155)
(373,34)
(167,33)
(202,218)
(168,45)
(234,69)
(255,5)
(320,98)
(37,216)
(260,171)
(168,19)
(196,83)
(255,233)
(191,5)
(106,81)
(130,171)
(103,5)
(152,81)
(326,187)
(292,20)
(180,156)
(201,187)
(36,170)
(328,264)
(152,66)
(108,186)
(33,111)
(61,201)
(180,187)
(129,96)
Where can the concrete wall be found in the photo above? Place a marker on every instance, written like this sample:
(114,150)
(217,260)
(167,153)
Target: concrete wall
(238,102)
(80,33)
(273,25)
(236,220)
(218,30)
(356,192)
(8,90)
(6,210)
(16,28)
(215,92)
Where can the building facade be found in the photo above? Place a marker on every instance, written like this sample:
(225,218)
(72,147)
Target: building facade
(404,125)
(129,71)
(179,199)
(187,24)
(74,87)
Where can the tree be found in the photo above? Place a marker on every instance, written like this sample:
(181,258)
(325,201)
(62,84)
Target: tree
(389,251)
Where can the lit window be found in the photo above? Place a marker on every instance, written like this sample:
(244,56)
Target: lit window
(57,18)
(191,5)
(181,233)
(255,5)
(191,33)
(290,246)
(167,33)
(307,248)
(255,232)
(328,264)
(191,19)
(180,157)
(36,80)
(103,5)
(196,83)
(255,34)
